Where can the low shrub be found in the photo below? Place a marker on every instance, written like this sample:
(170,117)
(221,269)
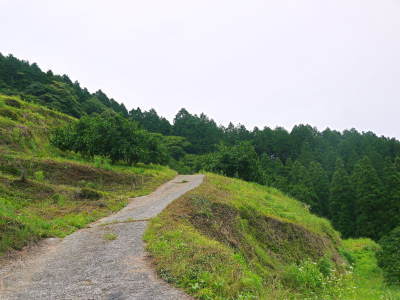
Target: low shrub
(39,175)
(88,194)
(7,113)
(304,277)
(13,103)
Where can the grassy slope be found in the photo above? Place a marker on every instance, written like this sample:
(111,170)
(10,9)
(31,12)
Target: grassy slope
(367,276)
(230,239)
(62,192)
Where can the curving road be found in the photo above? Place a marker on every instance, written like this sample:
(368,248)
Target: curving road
(105,261)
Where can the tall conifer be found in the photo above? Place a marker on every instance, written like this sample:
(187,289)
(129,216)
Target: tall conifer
(369,199)
(341,201)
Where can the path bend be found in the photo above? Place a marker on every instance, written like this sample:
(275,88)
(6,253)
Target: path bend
(85,265)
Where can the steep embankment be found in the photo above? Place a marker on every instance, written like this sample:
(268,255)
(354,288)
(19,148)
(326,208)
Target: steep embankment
(229,239)
(45,192)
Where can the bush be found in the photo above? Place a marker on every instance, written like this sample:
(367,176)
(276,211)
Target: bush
(389,256)
(39,175)
(304,277)
(13,103)
(325,266)
(89,194)
(319,280)
(4,112)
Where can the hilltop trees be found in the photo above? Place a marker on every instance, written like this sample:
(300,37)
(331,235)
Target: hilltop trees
(201,132)
(151,121)
(18,77)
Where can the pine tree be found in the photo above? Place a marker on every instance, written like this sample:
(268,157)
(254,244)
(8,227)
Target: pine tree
(319,183)
(300,186)
(369,199)
(341,201)
(391,184)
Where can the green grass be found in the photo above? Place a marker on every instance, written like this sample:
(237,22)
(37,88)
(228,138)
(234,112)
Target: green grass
(25,127)
(368,277)
(229,239)
(45,192)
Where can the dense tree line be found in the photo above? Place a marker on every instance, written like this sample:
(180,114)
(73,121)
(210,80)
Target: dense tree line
(352,178)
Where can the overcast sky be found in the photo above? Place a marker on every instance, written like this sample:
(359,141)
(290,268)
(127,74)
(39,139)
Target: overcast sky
(327,63)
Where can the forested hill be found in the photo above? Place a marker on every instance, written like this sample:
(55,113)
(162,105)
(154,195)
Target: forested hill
(18,77)
(350,177)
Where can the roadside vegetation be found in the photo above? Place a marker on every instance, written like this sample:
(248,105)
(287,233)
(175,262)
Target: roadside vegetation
(229,239)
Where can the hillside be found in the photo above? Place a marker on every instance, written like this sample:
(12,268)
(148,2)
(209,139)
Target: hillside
(229,239)
(69,157)
(351,178)
(46,192)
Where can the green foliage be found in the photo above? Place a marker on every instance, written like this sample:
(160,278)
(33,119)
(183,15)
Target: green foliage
(325,266)
(39,175)
(111,136)
(238,161)
(176,146)
(389,258)
(201,132)
(150,121)
(89,194)
(305,277)
(18,77)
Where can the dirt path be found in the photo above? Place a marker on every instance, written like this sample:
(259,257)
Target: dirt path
(88,265)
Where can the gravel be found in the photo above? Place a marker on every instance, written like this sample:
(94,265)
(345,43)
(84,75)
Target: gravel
(105,261)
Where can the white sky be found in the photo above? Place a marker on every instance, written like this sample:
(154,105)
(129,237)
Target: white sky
(283,62)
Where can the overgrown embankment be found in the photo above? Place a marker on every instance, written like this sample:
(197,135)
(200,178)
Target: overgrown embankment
(229,239)
(45,192)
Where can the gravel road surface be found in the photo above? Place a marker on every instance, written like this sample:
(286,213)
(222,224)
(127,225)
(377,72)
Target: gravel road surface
(105,261)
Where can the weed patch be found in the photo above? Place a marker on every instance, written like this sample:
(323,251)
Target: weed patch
(110,236)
